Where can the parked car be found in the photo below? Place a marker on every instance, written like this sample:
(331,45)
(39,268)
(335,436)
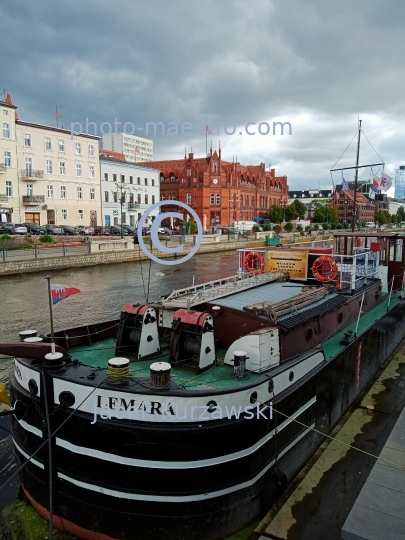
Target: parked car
(13,228)
(34,228)
(69,230)
(54,229)
(102,231)
(168,231)
(115,230)
(85,230)
(131,230)
(229,230)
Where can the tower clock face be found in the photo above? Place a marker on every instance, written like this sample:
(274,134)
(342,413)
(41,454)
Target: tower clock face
(215,181)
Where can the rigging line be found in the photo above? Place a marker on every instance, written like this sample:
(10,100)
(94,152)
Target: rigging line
(52,434)
(48,428)
(355,135)
(334,438)
(87,335)
(373,147)
(140,262)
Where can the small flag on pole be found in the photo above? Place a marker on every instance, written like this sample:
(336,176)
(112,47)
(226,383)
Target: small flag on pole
(345,185)
(60,292)
(207,129)
(386,182)
(57,115)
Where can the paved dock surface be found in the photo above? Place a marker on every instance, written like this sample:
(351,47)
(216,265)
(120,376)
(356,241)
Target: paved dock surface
(379,511)
(318,502)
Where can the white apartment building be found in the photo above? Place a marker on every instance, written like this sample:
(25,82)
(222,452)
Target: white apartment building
(59,176)
(9,194)
(127,190)
(135,149)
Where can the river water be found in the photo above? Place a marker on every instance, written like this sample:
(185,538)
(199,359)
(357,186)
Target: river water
(104,290)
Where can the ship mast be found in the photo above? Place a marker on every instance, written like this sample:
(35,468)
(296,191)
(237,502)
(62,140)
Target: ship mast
(355,179)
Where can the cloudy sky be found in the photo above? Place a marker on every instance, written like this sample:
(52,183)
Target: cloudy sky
(319,65)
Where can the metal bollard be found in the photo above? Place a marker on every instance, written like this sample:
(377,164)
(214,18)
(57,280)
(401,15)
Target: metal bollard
(63,249)
(4,255)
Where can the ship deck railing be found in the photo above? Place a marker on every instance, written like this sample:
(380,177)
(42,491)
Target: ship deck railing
(198,294)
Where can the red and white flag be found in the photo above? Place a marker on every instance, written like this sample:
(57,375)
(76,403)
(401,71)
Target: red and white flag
(60,292)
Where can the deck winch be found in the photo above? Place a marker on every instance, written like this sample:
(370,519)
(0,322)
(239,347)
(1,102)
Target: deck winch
(193,338)
(138,331)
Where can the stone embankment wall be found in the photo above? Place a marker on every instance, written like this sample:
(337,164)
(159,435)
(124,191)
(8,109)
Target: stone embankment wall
(105,257)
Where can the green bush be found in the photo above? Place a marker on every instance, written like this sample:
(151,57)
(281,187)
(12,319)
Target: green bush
(231,232)
(28,238)
(302,233)
(266,227)
(277,229)
(256,228)
(46,238)
(300,227)
(316,227)
(5,237)
(288,226)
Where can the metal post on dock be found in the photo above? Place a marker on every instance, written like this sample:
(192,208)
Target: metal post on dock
(4,255)
(63,249)
(389,298)
(360,312)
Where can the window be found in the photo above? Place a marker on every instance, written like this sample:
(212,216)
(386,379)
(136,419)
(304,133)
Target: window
(92,194)
(48,144)
(80,215)
(153,199)
(27,140)
(115,195)
(62,168)
(28,166)
(78,149)
(218,198)
(131,179)
(153,182)
(78,169)
(105,196)
(49,166)
(212,198)
(79,193)
(49,191)
(188,198)
(146,181)
(91,171)
(139,199)
(91,150)
(122,178)
(188,172)
(106,177)
(162,198)
(138,181)
(61,146)
(9,188)
(64,214)
(30,190)
(124,217)
(63,192)
(114,177)
(5,112)
(6,131)
(7,159)
(146,199)
(172,178)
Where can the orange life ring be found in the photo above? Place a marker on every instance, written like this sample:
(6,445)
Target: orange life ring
(317,267)
(254,263)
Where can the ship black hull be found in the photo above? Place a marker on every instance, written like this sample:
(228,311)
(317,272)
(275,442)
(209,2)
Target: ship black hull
(262,475)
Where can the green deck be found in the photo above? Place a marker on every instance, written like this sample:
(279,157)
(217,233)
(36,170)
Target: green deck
(217,377)
(332,346)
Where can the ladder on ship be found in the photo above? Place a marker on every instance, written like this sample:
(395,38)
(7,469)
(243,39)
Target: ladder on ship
(205,292)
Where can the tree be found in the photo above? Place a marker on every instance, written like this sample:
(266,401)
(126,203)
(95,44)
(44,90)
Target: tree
(288,226)
(326,214)
(275,214)
(401,214)
(382,216)
(300,208)
(300,227)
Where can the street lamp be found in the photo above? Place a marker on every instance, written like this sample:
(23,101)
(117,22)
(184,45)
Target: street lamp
(123,187)
(233,200)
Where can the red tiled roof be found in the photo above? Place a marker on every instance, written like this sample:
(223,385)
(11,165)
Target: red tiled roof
(110,153)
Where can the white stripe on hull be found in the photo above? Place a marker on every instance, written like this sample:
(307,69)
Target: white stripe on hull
(182,498)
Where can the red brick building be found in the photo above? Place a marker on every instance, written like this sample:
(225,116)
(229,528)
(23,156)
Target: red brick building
(343,201)
(220,192)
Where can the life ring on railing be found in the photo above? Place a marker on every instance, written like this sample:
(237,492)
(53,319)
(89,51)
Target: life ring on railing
(254,263)
(317,267)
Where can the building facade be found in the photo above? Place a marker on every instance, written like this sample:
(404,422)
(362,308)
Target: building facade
(9,189)
(127,191)
(135,149)
(400,182)
(59,176)
(344,203)
(221,192)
